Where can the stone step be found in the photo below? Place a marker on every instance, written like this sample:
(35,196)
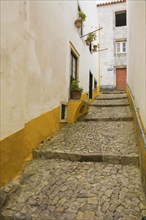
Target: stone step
(110,119)
(108,105)
(92,141)
(112,92)
(112,102)
(111,96)
(113,159)
(109,113)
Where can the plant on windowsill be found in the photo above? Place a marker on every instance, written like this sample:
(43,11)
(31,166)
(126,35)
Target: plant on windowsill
(76,91)
(82,18)
(91,37)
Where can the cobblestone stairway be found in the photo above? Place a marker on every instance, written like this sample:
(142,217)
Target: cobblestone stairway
(92,172)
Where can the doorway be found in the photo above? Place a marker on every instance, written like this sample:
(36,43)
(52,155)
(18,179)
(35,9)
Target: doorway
(121,78)
(90,85)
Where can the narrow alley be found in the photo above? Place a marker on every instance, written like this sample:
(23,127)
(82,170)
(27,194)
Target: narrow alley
(88,170)
(73,110)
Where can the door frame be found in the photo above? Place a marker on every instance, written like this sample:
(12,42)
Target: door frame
(120,67)
(90,85)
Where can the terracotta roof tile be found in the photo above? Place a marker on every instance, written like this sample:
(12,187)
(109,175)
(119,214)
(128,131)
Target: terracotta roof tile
(110,3)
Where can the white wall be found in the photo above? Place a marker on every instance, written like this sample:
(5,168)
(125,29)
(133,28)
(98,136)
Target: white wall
(35,70)
(109,34)
(13,67)
(88,61)
(137,54)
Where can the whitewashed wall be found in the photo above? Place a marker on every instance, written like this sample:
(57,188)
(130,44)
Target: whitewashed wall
(137,54)
(35,74)
(109,34)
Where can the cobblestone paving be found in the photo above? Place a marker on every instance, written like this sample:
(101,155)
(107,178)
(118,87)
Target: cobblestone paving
(55,189)
(111,102)
(108,188)
(91,138)
(112,96)
(109,113)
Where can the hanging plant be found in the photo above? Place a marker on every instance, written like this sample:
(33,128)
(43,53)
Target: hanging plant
(82,18)
(91,37)
(95,47)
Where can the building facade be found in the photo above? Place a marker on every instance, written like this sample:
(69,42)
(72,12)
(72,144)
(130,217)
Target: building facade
(113,42)
(42,50)
(136,81)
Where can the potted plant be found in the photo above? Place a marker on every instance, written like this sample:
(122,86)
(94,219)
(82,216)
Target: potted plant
(95,47)
(91,37)
(82,18)
(76,91)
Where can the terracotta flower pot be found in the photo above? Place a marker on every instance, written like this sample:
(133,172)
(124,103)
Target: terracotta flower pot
(75,94)
(95,47)
(88,42)
(78,23)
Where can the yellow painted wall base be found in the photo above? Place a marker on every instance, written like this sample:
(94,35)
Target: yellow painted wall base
(76,108)
(17,149)
(94,95)
(142,149)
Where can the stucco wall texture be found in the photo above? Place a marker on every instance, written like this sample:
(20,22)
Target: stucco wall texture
(137,55)
(35,47)
(36,42)
(109,34)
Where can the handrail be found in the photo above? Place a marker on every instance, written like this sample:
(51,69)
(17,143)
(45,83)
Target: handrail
(139,121)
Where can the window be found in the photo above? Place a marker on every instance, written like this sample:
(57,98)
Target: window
(74,60)
(120,18)
(121,47)
(124,47)
(63,112)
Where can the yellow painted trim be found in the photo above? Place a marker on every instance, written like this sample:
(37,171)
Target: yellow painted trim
(17,149)
(142,149)
(74,49)
(98,87)
(94,95)
(76,108)
(84,97)
(12,152)
(129,97)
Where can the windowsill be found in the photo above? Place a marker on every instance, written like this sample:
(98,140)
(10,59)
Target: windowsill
(121,53)
(120,26)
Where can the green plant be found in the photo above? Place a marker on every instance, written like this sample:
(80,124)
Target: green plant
(75,86)
(91,37)
(82,16)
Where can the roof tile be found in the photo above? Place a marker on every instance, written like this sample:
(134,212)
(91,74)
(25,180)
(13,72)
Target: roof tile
(110,3)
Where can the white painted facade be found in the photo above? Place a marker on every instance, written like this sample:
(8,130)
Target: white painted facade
(109,35)
(137,54)
(35,46)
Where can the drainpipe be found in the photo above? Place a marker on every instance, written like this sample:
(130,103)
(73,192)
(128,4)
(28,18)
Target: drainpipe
(98,87)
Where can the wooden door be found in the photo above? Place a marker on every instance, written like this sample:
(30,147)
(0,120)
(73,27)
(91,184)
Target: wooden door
(121,78)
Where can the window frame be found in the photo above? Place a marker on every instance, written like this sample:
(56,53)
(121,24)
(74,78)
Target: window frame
(118,13)
(74,60)
(121,51)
